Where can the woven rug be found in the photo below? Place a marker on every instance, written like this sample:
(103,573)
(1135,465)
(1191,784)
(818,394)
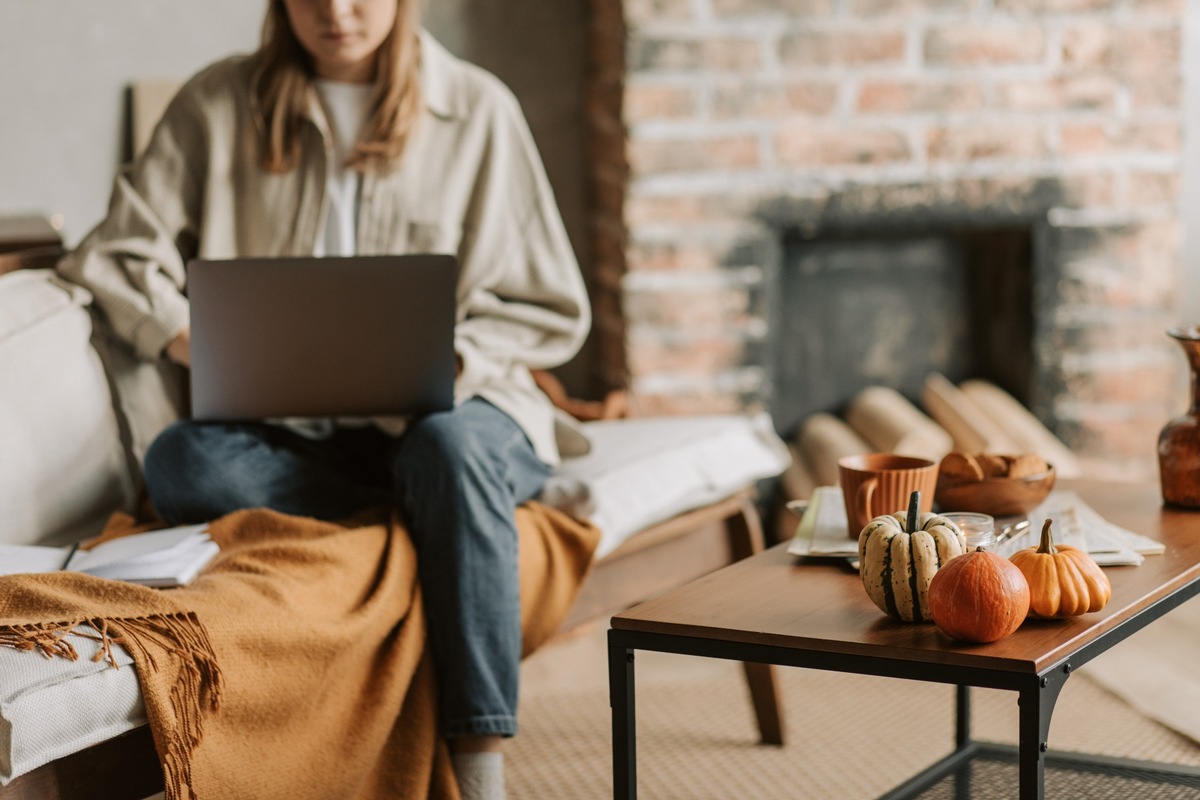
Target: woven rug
(1157,671)
(849,736)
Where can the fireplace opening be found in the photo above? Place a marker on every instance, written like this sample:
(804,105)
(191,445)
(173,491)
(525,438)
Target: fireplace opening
(854,310)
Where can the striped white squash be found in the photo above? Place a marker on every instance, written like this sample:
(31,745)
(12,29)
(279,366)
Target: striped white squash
(896,565)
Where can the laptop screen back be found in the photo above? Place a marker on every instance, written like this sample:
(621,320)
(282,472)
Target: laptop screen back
(315,337)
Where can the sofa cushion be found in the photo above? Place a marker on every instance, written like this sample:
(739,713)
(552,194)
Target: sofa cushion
(63,462)
(643,471)
(150,395)
(52,707)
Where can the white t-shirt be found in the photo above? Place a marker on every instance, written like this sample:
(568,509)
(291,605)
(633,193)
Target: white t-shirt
(347,106)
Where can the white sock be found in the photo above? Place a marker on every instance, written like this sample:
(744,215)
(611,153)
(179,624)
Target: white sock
(480,775)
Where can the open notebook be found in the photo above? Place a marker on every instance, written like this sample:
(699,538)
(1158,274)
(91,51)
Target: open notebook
(163,558)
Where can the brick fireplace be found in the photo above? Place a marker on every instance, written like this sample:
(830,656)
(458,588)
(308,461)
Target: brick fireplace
(729,135)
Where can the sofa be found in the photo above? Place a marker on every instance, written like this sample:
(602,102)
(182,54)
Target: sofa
(673,498)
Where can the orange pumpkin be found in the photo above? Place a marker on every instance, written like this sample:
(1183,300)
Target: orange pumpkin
(1064,581)
(978,597)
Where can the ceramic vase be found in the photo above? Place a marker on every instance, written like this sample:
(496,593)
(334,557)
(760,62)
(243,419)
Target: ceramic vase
(1179,441)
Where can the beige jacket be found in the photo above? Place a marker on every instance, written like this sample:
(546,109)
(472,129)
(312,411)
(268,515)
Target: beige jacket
(470,183)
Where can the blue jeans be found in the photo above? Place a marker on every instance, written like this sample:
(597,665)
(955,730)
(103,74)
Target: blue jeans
(457,477)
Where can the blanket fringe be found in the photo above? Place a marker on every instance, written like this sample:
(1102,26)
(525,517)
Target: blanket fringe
(48,638)
(179,637)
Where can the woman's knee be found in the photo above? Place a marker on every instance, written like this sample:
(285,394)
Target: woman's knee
(472,450)
(170,466)
(171,451)
(454,439)
(195,471)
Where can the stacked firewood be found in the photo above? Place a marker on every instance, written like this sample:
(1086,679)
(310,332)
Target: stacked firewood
(973,417)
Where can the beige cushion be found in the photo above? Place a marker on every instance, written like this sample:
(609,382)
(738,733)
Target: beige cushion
(150,396)
(640,472)
(147,101)
(62,460)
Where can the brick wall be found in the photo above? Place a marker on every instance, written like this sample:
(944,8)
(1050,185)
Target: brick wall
(719,125)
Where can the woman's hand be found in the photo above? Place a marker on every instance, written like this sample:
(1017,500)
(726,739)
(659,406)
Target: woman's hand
(179,349)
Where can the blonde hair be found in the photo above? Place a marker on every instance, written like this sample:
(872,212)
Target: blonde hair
(284,73)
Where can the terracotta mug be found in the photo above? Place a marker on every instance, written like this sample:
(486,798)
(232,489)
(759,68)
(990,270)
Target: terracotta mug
(881,483)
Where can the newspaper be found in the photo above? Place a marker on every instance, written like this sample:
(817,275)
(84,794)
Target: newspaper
(823,530)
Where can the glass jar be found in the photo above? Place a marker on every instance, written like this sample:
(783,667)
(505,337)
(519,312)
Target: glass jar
(980,529)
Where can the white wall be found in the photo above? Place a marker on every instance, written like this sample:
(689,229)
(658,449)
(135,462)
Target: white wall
(1189,311)
(65,66)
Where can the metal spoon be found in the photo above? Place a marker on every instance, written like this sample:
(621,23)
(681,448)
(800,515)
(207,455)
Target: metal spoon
(1012,531)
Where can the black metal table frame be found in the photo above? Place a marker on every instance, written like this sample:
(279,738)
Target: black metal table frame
(1037,694)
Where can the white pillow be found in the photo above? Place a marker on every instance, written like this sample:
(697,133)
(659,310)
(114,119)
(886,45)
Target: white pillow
(62,462)
(643,471)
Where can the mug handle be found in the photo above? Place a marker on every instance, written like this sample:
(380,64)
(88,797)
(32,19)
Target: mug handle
(862,500)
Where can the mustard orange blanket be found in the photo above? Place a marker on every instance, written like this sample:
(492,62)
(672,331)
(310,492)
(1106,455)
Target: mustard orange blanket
(295,666)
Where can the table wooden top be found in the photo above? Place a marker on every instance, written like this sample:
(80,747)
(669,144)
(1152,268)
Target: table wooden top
(775,599)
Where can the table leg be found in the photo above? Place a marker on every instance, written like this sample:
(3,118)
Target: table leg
(1036,701)
(962,739)
(621,700)
(962,717)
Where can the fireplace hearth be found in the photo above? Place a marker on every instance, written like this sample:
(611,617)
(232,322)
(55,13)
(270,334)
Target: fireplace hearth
(889,309)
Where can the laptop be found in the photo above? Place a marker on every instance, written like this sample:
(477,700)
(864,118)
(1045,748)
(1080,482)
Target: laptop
(319,337)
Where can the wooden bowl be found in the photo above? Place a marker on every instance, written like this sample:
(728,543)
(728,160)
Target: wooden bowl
(1000,497)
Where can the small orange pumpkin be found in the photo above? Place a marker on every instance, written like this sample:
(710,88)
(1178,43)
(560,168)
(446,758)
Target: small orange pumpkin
(978,597)
(1064,581)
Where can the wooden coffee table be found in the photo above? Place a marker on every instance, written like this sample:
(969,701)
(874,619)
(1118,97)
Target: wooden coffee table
(772,609)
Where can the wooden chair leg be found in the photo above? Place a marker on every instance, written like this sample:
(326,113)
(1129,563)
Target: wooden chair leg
(745,539)
(761,680)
